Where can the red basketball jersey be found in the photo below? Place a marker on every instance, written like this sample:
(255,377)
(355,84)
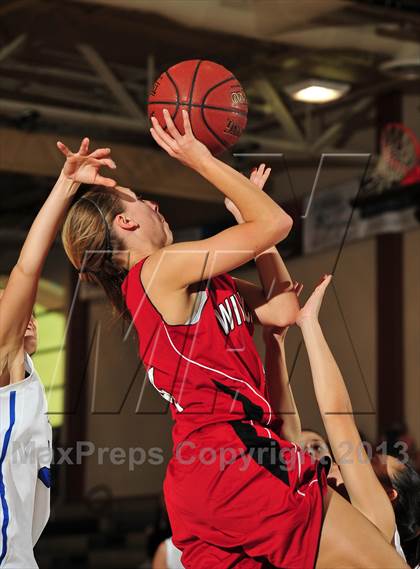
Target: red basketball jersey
(208,369)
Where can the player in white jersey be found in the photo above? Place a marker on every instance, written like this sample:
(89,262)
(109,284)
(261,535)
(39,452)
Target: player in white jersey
(167,556)
(25,433)
(25,446)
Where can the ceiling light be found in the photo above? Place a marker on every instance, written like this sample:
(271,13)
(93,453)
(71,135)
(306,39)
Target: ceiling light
(405,64)
(317,91)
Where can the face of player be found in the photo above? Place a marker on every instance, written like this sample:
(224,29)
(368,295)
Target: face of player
(30,341)
(314,444)
(153,227)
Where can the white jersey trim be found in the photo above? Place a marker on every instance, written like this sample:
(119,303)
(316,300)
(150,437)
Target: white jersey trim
(220,373)
(195,317)
(397,544)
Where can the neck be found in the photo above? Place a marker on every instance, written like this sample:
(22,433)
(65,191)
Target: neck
(132,257)
(135,257)
(4,379)
(14,371)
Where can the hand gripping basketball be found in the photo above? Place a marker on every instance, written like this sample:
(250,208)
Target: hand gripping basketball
(184,147)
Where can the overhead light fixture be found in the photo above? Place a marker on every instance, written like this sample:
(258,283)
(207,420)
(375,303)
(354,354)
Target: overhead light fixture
(317,91)
(405,64)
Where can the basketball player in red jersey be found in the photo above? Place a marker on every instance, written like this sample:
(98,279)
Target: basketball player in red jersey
(237,494)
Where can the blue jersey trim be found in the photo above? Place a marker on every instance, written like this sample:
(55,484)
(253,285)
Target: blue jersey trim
(5,508)
(44,474)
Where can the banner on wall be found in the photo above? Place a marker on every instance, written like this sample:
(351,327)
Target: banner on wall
(332,217)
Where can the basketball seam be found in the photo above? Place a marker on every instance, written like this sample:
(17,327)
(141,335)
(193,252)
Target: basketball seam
(176,91)
(200,105)
(192,85)
(215,87)
(203,106)
(225,146)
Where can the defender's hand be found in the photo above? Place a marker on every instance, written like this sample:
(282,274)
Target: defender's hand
(259,176)
(310,311)
(83,168)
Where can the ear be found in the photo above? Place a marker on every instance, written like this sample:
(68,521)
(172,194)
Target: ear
(125,222)
(392,494)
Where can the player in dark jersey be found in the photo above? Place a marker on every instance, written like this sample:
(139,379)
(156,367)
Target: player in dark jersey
(237,494)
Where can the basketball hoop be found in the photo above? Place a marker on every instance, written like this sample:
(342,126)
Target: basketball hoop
(399,159)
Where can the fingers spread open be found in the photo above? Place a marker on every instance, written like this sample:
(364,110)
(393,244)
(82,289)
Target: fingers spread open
(266,175)
(63,148)
(108,182)
(84,147)
(107,162)
(101,153)
(298,288)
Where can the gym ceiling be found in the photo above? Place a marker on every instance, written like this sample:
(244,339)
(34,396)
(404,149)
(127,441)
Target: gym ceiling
(75,68)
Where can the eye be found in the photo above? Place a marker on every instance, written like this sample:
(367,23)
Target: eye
(139,198)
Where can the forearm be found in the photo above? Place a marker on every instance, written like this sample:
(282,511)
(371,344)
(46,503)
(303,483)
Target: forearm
(273,273)
(330,389)
(279,390)
(277,286)
(45,227)
(20,293)
(251,202)
(362,485)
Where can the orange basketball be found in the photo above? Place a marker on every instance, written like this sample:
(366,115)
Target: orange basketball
(214,98)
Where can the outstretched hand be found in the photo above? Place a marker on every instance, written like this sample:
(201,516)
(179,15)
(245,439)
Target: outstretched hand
(309,312)
(259,176)
(83,168)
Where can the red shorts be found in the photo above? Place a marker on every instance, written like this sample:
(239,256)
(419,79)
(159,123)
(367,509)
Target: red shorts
(239,496)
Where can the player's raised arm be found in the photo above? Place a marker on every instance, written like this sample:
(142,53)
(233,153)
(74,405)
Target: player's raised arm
(265,222)
(274,303)
(18,300)
(365,491)
(280,393)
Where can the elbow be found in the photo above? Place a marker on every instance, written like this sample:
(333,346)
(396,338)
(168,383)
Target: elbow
(287,318)
(271,230)
(282,225)
(286,308)
(26,270)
